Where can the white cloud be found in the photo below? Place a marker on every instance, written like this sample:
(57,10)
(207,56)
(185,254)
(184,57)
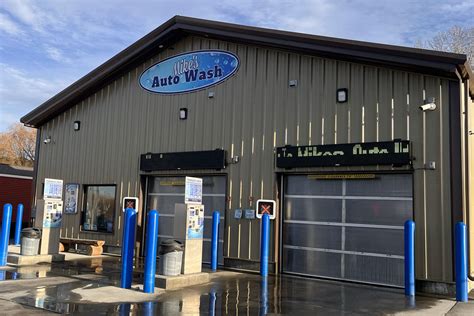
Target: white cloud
(20,92)
(56,54)
(8,26)
(27,13)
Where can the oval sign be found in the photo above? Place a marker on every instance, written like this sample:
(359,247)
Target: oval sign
(189,72)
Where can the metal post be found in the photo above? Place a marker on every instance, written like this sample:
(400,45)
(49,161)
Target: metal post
(19,219)
(409,258)
(150,251)
(461,262)
(5,233)
(215,239)
(128,242)
(264,245)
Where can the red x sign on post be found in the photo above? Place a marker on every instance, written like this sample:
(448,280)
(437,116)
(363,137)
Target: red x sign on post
(266,207)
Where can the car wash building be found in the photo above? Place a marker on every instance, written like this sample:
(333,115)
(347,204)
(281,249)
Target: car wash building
(351,139)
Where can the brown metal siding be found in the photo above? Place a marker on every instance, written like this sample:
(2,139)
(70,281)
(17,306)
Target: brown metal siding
(251,113)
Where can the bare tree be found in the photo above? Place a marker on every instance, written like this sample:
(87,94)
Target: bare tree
(457,39)
(17,145)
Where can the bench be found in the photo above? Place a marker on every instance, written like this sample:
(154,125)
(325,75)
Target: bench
(86,246)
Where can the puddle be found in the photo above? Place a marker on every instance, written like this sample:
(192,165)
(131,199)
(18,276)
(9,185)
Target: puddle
(14,275)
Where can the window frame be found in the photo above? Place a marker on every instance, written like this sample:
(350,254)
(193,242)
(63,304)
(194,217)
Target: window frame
(84,206)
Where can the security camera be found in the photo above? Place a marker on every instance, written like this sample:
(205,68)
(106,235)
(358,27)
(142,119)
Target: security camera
(428,107)
(47,140)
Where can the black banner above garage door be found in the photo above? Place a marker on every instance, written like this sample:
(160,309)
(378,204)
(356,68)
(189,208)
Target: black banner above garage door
(208,159)
(357,154)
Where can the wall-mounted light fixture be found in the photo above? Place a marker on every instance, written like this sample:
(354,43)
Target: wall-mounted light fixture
(342,95)
(77,125)
(293,83)
(183,113)
(47,140)
(235,159)
(210,95)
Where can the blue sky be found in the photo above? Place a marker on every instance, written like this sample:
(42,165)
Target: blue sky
(47,45)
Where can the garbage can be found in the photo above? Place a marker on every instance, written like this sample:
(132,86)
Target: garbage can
(30,239)
(170,257)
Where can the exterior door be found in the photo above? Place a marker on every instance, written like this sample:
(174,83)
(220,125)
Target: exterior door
(346,229)
(164,192)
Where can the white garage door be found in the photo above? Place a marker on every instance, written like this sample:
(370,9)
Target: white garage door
(347,229)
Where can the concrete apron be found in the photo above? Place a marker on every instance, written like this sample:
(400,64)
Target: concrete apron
(91,285)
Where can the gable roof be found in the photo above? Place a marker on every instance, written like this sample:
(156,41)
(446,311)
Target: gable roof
(410,59)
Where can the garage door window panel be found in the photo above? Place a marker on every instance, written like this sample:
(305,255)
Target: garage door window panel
(373,240)
(311,209)
(301,261)
(312,236)
(381,186)
(304,185)
(378,212)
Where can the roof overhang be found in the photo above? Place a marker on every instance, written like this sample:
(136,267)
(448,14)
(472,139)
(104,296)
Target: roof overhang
(409,59)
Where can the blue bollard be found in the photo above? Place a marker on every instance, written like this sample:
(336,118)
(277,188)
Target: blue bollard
(128,242)
(461,262)
(5,233)
(19,219)
(150,251)
(409,258)
(264,245)
(215,239)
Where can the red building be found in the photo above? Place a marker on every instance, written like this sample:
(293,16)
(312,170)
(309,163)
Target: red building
(16,187)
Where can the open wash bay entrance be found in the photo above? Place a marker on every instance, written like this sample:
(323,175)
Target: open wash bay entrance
(164,192)
(349,229)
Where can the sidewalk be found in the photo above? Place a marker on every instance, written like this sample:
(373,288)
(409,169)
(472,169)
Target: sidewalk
(85,285)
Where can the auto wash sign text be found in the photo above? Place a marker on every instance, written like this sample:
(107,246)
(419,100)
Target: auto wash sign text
(189,72)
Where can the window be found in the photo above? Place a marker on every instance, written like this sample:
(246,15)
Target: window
(99,208)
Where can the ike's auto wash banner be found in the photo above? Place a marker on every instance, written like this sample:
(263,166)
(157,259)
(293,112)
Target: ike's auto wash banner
(189,72)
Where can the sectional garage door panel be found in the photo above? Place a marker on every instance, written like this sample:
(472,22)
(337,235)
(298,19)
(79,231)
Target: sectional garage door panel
(302,261)
(346,229)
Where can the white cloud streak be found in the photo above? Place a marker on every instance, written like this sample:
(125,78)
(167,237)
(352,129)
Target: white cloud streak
(8,26)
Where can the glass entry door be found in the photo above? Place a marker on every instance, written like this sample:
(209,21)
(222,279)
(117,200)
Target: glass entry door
(164,192)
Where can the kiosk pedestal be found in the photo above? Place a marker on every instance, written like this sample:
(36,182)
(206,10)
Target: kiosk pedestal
(189,229)
(48,219)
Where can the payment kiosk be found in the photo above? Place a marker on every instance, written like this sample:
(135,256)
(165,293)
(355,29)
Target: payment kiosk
(189,229)
(189,225)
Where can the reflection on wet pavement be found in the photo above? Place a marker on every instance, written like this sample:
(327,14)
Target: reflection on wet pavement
(227,293)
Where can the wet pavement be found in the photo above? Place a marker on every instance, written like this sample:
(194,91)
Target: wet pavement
(90,287)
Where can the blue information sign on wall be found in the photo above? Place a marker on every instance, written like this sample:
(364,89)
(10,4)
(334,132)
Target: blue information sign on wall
(189,72)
